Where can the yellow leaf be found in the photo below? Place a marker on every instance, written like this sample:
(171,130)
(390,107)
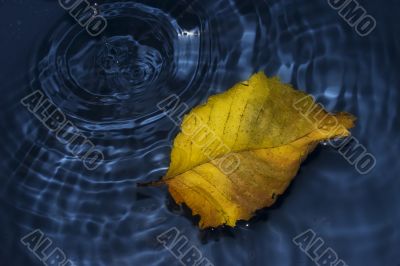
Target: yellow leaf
(236,153)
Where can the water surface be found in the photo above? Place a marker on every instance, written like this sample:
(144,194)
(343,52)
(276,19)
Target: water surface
(109,85)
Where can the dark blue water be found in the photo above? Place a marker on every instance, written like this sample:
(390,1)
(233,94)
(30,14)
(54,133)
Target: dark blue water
(109,85)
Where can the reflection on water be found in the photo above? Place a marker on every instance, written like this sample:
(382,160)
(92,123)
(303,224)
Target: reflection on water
(109,86)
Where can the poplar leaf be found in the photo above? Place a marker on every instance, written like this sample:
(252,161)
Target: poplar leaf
(241,149)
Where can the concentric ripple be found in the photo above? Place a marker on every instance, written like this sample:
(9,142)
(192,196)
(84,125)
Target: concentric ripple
(143,57)
(109,87)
